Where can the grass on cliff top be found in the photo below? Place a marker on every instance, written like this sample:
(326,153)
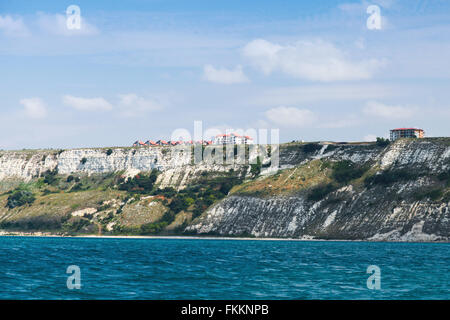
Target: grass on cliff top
(320,177)
(141,212)
(287,181)
(61,203)
(440,140)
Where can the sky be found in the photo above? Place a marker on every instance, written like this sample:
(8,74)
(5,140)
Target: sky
(139,70)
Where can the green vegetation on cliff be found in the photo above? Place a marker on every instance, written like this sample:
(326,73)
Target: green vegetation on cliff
(20,197)
(109,203)
(164,203)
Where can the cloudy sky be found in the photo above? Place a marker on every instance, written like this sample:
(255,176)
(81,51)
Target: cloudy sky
(141,69)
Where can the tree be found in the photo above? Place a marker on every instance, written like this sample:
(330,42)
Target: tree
(256,168)
(382,142)
(141,183)
(346,170)
(50,176)
(19,198)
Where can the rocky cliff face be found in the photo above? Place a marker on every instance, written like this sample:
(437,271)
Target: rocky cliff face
(401,192)
(411,207)
(176,167)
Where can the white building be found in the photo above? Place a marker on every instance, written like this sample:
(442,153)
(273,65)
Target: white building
(232,138)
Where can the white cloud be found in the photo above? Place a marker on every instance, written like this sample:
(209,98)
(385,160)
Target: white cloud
(322,92)
(87,104)
(34,108)
(13,27)
(290,117)
(223,75)
(56,24)
(133,105)
(381,110)
(315,61)
(129,105)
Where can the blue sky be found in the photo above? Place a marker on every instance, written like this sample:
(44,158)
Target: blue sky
(141,69)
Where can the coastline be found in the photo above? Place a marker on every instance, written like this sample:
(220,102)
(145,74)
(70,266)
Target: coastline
(49,235)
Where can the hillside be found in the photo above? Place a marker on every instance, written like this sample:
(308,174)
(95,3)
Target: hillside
(364,191)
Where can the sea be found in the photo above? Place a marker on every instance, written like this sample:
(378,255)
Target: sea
(160,268)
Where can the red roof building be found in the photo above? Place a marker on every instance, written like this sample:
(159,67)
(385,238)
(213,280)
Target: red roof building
(406,133)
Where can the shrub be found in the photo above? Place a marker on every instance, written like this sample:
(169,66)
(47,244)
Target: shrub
(109,152)
(345,171)
(83,160)
(433,194)
(104,207)
(168,192)
(108,218)
(50,176)
(331,147)
(189,201)
(169,217)
(319,192)
(256,167)
(153,227)
(19,198)
(382,142)
(388,177)
(179,203)
(156,227)
(197,211)
(41,222)
(71,178)
(445,176)
(333,200)
(47,192)
(140,184)
(311,147)
(210,199)
(77,187)
(226,187)
(75,225)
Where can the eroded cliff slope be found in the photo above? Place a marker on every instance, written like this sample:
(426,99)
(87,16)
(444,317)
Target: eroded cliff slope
(398,193)
(360,191)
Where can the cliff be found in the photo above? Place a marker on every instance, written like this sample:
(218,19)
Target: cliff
(400,193)
(360,191)
(176,167)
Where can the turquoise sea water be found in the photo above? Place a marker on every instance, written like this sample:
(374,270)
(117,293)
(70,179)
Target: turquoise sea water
(35,268)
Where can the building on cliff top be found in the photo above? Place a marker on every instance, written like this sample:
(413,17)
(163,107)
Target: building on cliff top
(232,138)
(406,133)
(150,143)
